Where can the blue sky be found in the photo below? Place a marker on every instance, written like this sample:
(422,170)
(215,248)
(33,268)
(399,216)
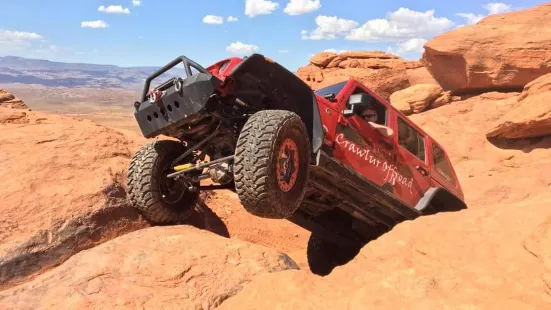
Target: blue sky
(147,32)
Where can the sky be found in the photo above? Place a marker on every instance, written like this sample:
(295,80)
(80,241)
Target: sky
(152,33)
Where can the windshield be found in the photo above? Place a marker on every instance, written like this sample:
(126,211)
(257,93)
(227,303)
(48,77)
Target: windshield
(335,88)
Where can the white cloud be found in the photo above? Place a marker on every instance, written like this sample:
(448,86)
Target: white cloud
(297,7)
(471,18)
(241,48)
(232,19)
(284,51)
(19,42)
(328,28)
(332,50)
(401,24)
(213,19)
(412,45)
(16,36)
(94,24)
(136,2)
(114,9)
(29,44)
(259,7)
(492,8)
(497,8)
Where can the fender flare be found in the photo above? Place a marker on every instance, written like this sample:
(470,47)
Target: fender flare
(287,90)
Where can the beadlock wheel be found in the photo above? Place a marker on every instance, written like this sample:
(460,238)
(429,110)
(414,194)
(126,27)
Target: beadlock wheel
(271,165)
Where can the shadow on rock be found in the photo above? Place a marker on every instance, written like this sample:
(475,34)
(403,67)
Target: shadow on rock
(526,145)
(204,218)
(324,255)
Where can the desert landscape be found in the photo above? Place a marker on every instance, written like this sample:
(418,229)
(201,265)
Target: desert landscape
(70,238)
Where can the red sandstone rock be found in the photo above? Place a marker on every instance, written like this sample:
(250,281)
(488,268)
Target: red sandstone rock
(502,51)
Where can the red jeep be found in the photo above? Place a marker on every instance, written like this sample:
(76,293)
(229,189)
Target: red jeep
(289,153)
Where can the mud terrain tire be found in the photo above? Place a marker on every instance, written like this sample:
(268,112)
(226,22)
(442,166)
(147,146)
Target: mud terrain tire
(272,143)
(146,187)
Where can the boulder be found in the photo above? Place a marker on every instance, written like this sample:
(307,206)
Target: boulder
(501,52)
(382,72)
(63,190)
(436,262)
(490,172)
(384,82)
(415,99)
(8,100)
(495,95)
(444,98)
(5,96)
(531,117)
(420,75)
(322,59)
(179,267)
(537,86)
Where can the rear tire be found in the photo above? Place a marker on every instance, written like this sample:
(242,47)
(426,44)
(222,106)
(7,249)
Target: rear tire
(271,164)
(158,199)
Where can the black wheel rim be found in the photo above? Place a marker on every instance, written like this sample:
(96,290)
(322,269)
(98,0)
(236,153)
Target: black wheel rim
(172,190)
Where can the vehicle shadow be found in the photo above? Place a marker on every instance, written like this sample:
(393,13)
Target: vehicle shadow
(324,257)
(203,217)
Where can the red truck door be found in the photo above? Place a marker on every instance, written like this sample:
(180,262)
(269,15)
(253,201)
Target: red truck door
(411,161)
(359,146)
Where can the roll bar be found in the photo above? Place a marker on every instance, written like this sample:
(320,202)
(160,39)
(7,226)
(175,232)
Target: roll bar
(187,64)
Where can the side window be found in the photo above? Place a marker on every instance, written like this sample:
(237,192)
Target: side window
(378,114)
(411,140)
(441,164)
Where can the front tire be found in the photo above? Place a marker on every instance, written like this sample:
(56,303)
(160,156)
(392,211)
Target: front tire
(159,199)
(271,164)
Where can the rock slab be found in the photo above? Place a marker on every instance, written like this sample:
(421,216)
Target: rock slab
(63,190)
(415,99)
(501,52)
(531,117)
(176,267)
(382,72)
(8,100)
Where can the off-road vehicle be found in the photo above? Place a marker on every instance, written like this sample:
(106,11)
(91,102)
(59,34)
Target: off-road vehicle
(288,152)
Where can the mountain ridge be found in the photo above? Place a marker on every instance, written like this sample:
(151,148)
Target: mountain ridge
(15,69)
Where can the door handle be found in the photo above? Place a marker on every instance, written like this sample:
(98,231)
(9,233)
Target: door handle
(422,170)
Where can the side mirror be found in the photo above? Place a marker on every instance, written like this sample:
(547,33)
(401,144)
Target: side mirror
(330,96)
(357,102)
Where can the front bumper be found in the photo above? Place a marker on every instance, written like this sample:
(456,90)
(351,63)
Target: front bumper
(177,99)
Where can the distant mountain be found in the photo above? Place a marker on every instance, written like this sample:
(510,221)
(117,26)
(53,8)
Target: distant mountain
(50,73)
